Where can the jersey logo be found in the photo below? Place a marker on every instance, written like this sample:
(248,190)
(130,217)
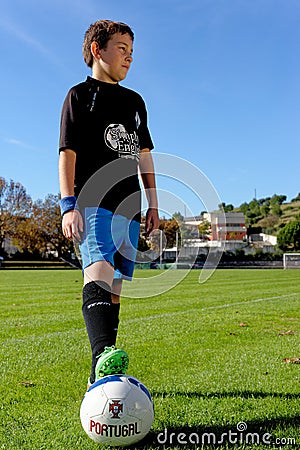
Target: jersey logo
(137,120)
(118,139)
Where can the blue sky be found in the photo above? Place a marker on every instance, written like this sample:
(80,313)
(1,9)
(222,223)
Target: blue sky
(221,80)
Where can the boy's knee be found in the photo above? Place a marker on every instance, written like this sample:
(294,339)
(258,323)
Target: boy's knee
(96,291)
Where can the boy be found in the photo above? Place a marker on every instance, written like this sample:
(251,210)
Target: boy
(104,137)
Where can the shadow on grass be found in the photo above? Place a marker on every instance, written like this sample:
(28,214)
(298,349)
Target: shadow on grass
(244,435)
(233,394)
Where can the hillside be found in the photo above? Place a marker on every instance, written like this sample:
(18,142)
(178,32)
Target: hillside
(289,211)
(269,215)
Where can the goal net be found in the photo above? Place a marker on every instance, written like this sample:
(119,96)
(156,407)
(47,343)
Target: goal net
(291,260)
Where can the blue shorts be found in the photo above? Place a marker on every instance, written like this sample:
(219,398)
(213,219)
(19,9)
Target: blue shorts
(112,238)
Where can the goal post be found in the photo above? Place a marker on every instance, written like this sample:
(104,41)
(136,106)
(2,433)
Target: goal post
(291,260)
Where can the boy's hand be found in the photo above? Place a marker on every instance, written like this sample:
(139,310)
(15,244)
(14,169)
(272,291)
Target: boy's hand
(72,225)
(152,220)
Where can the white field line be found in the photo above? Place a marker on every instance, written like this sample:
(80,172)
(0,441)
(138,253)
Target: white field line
(194,310)
(154,317)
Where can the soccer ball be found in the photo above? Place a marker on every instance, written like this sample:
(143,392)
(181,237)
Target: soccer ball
(117,410)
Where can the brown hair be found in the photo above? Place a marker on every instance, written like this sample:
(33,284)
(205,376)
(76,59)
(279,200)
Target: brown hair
(100,32)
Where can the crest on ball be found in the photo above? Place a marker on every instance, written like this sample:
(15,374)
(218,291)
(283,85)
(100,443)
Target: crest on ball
(116,408)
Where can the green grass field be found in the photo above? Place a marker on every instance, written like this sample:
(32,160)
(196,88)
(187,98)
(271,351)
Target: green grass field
(212,355)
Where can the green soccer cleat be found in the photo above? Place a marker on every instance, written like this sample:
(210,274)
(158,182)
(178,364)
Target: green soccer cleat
(111,362)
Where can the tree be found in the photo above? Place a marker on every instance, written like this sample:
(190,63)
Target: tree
(264,210)
(296,199)
(288,237)
(277,199)
(228,208)
(39,233)
(3,229)
(178,217)
(15,206)
(47,217)
(170,228)
(27,237)
(225,208)
(276,210)
(204,229)
(244,208)
(254,207)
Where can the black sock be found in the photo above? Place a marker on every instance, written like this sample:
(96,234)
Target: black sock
(97,313)
(115,309)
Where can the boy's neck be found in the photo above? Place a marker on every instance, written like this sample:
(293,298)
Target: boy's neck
(102,76)
(103,80)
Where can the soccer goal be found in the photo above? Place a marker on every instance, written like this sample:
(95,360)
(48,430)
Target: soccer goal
(291,260)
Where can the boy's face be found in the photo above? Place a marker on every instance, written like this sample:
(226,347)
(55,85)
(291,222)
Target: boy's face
(112,63)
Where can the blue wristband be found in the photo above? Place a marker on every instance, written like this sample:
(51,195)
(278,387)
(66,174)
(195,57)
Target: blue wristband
(67,204)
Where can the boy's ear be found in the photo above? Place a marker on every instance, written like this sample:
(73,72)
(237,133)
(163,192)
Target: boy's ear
(96,52)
